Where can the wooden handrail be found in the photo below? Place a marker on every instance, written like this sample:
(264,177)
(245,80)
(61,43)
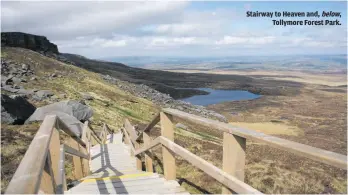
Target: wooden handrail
(234,148)
(42,167)
(221,176)
(153,122)
(313,153)
(130,129)
(27,177)
(128,140)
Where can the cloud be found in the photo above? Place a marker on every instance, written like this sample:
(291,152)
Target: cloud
(60,20)
(105,29)
(232,40)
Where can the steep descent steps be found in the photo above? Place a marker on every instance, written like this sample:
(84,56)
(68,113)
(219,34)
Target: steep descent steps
(113,171)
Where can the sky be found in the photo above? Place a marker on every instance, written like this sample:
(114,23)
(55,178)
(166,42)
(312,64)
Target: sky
(181,28)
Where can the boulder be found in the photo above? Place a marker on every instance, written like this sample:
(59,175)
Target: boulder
(15,110)
(71,107)
(86,96)
(74,125)
(9,89)
(43,94)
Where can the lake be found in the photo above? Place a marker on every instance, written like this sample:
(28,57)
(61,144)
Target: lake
(218,96)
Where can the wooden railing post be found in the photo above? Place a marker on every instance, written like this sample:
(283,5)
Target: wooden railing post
(167,131)
(148,159)
(138,157)
(233,157)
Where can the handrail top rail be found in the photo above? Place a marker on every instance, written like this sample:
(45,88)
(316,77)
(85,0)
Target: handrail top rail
(324,156)
(25,179)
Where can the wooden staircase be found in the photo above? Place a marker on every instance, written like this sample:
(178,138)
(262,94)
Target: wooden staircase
(113,171)
(111,162)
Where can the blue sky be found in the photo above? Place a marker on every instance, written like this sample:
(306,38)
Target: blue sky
(110,29)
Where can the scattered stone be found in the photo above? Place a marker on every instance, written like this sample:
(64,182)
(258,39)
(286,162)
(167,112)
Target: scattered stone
(25,67)
(43,94)
(54,98)
(53,75)
(9,89)
(17,86)
(33,78)
(16,80)
(62,95)
(19,95)
(25,92)
(86,96)
(15,110)
(181,126)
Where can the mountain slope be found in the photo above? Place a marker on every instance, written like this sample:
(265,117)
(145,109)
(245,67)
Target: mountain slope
(110,104)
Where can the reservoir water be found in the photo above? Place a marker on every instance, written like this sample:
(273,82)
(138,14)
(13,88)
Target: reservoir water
(217,96)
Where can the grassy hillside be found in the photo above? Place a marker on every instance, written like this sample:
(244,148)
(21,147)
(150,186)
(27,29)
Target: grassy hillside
(110,104)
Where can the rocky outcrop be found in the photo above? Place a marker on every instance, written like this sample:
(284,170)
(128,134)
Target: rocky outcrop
(15,109)
(28,41)
(163,100)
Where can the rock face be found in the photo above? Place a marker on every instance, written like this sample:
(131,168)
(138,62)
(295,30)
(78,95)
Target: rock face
(29,41)
(15,110)
(71,107)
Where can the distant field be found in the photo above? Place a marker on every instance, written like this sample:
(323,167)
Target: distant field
(334,79)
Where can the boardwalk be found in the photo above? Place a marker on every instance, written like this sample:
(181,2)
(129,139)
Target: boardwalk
(113,171)
(109,163)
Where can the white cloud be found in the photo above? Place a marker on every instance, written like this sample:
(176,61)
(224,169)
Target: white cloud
(233,40)
(97,29)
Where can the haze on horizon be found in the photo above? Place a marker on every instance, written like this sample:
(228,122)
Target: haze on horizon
(110,29)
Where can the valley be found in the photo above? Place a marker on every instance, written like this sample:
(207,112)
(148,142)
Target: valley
(302,106)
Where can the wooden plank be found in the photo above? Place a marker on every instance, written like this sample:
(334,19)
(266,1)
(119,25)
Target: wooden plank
(61,184)
(85,161)
(77,162)
(313,153)
(148,159)
(85,130)
(128,141)
(233,157)
(167,131)
(130,129)
(153,122)
(151,145)
(28,174)
(138,158)
(75,152)
(108,128)
(221,176)
(95,135)
(47,184)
